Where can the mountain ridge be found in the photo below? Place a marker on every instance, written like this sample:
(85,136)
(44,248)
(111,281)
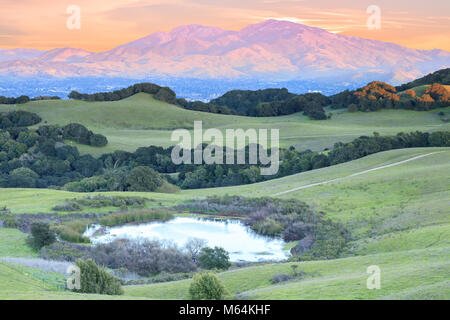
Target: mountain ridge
(272,50)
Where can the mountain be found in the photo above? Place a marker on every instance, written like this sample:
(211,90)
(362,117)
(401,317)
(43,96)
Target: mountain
(271,51)
(18,54)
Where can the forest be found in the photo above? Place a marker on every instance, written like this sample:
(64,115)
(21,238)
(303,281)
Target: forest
(41,159)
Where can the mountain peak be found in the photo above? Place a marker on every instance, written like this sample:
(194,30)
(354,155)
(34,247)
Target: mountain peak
(64,54)
(271,49)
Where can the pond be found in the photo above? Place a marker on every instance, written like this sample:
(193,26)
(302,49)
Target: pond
(242,243)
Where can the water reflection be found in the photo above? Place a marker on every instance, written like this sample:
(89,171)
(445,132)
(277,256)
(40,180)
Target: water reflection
(241,242)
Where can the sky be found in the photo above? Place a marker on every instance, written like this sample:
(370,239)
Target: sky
(105,24)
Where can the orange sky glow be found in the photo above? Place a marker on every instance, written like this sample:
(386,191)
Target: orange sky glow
(106,24)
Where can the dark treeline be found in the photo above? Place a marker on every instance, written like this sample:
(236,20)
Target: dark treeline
(160,93)
(40,158)
(273,102)
(260,103)
(18,119)
(12,100)
(293,161)
(25,99)
(75,132)
(242,101)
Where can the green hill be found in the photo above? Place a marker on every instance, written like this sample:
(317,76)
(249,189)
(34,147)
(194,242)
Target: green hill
(398,216)
(441,76)
(142,120)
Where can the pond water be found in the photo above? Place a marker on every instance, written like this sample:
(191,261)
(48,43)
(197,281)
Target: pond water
(241,242)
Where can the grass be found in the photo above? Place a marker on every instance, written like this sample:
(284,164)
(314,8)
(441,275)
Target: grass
(420,90)
(398,216)
(13,244)
(142,121)
(333,279)
(17,283)
(43,200)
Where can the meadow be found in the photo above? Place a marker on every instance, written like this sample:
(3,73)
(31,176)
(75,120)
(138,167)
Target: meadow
(398,217)
(141,120)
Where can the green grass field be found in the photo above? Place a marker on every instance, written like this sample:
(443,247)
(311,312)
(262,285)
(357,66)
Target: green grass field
(142,121)
(398,216)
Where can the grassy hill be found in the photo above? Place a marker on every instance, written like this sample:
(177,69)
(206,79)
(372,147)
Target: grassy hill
(142,120)
(398,217)
(420,90)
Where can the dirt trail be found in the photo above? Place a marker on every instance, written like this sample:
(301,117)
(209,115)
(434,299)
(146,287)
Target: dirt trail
(355,174)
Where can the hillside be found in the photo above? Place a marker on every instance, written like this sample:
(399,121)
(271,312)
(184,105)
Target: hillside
(272,50)
(142,121)
(398,217)
(440,76)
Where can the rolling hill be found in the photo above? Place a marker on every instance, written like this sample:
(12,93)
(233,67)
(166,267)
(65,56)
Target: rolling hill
(398,217)
(142,120)
(272,51)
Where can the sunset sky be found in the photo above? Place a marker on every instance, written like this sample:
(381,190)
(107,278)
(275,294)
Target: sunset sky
(41,24)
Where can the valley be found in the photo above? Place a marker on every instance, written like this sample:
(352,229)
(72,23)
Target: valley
(366,185)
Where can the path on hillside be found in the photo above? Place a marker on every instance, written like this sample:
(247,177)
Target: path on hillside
(355,174)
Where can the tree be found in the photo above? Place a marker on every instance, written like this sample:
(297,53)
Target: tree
(144,179)
(95,279)
(23,178)
(206,287)
(217,258)
(352,107)
(41,235)
(194,246)
(98,140)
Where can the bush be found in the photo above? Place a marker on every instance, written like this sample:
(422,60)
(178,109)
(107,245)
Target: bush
(65,252)
(216,258)
(144,179)
(206,287)
(281,278)
(9,221)
(41,235)
(146,258)
(23,178)
(95,279)
(98,140)
(73,231)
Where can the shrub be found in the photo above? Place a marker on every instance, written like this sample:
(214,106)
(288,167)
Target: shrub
(146,258)
(216,258)
(65,252)
(95,279)
(206,287)
(281,278)
(144,179)
(23,177)
(68,206)
(41,235)
(72,231)
(194,246)
(7,220)
(98,140)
